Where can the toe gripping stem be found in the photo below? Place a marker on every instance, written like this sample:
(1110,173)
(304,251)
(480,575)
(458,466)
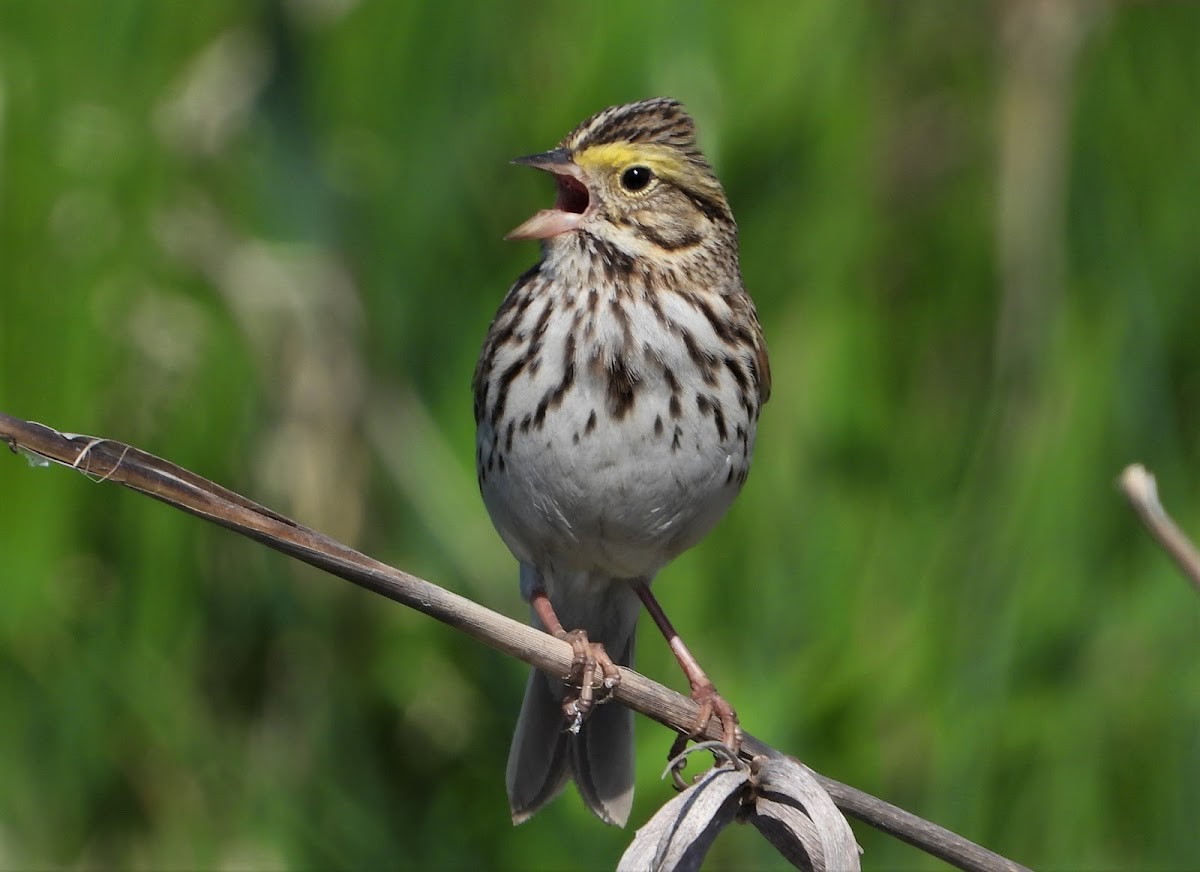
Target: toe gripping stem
(580,695)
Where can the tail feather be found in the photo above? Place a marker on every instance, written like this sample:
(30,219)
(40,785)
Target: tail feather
(537,761)
(544,755)
(602,759)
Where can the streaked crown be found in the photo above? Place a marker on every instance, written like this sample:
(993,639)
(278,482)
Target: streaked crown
(661,121)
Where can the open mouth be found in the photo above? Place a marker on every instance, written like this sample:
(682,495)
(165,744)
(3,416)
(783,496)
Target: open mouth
(570,205)
(572,195)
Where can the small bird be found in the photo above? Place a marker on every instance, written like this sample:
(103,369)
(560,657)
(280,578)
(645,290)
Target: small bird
(616,401)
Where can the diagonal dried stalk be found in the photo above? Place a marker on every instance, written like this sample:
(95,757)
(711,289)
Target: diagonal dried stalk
(106,460)
(1140,489)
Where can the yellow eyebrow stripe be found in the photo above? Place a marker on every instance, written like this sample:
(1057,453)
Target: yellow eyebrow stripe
(618,155)
(664,161)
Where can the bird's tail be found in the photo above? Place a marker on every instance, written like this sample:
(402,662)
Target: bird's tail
(544,755)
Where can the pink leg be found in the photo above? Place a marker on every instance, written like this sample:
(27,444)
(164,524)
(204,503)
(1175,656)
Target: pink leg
(703,691)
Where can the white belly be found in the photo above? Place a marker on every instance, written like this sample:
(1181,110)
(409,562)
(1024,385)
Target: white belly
(623,497)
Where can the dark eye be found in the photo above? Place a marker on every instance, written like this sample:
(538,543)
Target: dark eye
(636,178)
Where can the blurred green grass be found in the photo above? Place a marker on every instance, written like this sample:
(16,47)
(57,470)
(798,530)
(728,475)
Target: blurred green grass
(264,240)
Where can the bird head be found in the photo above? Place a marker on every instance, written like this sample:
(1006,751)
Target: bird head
(633,177)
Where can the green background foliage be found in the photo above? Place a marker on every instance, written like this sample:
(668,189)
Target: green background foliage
(264,241)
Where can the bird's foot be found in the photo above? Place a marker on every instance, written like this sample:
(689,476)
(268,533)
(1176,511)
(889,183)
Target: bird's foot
(711,703)
(581,690)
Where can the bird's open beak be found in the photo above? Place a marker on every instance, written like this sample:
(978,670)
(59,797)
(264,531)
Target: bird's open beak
(572,202)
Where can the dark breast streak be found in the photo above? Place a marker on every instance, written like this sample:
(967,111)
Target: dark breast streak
(723,349)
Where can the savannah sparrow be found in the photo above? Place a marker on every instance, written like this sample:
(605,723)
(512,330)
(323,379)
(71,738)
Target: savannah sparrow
(616,400)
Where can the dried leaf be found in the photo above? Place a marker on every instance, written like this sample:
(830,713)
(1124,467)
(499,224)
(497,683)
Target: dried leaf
(681,832)
(798,817)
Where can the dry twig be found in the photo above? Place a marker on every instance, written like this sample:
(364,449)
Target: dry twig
(1141,490)
(105,460)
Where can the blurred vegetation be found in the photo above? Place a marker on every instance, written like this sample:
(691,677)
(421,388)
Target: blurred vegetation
(264,240)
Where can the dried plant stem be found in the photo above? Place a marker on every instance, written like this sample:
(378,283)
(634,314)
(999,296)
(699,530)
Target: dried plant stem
(105,460)
(1140,489)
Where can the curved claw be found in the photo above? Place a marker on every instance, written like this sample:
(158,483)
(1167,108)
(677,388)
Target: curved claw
(729,745)
(712,703)
(581,691)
